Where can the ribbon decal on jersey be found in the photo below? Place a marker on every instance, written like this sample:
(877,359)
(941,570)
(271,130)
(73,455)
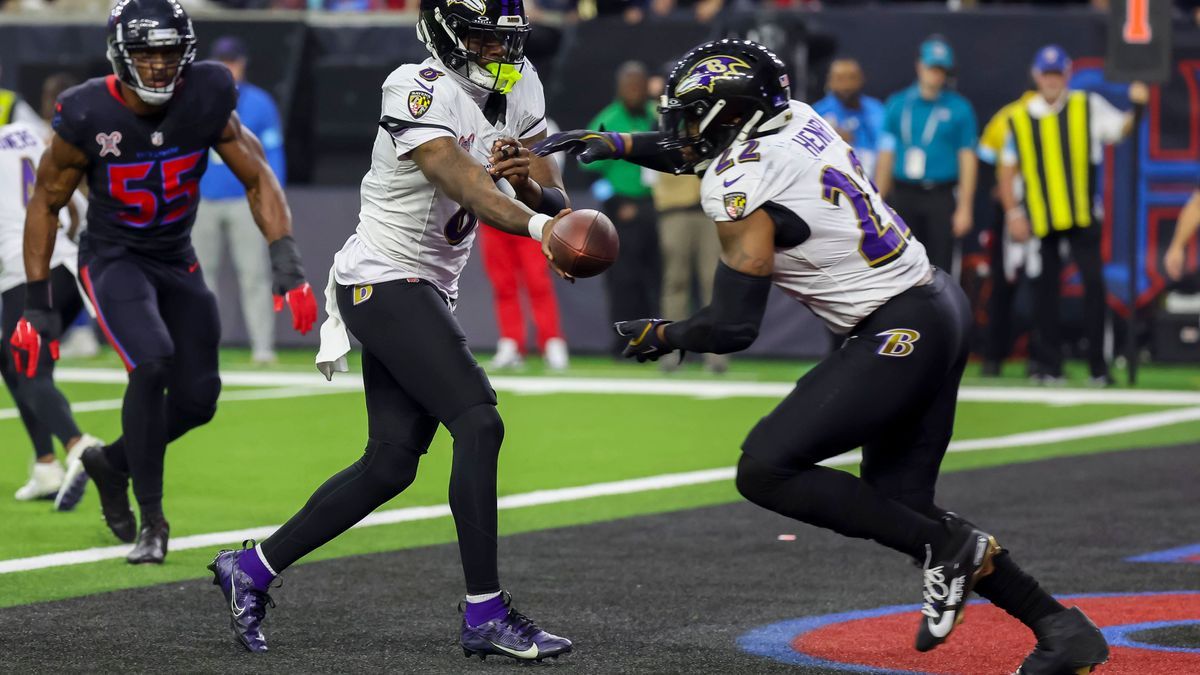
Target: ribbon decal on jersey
(419,102)
(108,144)
(735,205)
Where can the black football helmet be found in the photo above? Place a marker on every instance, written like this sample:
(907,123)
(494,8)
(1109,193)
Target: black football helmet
(481,40)
(136,27)
(719,93)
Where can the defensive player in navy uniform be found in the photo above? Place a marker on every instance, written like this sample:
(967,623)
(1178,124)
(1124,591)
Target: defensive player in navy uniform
(795,209)
(141,138)
(452,130)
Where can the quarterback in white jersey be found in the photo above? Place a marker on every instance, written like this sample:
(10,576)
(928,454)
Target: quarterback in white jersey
(794,209)
(451,129)
(44,410)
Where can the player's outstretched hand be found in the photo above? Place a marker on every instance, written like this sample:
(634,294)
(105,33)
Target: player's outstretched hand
(510,160)
(303,304)
(546,232)
(288,284)
(587,146)
(36,328)
(645,339)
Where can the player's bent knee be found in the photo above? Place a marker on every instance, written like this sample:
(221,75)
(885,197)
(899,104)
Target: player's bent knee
(151,373)
(393,467)
(756,480)
(480,425)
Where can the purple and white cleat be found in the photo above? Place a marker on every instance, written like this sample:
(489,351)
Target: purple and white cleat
(247,603)
(513,635)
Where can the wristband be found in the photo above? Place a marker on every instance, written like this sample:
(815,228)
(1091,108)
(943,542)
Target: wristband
(37,294)
(537,222)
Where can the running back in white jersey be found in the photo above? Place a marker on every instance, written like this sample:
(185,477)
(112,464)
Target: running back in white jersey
(407,228)
(859,253)
(21,148)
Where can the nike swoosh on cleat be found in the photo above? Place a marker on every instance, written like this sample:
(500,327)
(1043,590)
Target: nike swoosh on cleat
(237,611)
(941,628)
(731,182)
(530,653)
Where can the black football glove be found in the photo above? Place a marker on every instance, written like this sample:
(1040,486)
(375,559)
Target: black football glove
(586,146)
(644,343)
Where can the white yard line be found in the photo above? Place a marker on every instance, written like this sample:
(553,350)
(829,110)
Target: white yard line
(667,387)
(241,395)
(1118,425)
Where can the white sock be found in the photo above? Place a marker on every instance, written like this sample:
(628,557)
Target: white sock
(483,598)
(263,558)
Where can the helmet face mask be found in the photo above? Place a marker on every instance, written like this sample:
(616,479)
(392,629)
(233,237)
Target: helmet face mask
(482,41)
(151,44)
(720,93)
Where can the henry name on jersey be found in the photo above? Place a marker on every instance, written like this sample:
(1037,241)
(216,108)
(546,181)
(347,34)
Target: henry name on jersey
(839,248)
(407,228)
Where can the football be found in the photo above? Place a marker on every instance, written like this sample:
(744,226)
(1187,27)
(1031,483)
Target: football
(584,243)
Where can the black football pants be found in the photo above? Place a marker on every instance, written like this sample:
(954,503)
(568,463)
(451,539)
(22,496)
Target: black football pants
(418,372)
(891,390)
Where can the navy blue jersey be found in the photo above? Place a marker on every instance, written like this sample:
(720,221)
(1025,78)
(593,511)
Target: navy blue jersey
(144,171)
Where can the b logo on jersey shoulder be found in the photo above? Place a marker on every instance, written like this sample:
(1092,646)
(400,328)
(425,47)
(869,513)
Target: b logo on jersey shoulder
(419,102)
(735,205)
(362,294)
(108,144)
(704,75)
(898,343)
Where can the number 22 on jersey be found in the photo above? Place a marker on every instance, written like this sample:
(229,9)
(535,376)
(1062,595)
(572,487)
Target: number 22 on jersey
(882,240)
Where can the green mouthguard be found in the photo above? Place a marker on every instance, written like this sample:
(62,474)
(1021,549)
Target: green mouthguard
(506,74)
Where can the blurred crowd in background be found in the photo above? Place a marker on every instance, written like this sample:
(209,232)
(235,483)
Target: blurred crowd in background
(552,12)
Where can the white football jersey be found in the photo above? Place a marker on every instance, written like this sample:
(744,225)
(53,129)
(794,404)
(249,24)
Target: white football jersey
(858,254)
(21,148)
(407,228)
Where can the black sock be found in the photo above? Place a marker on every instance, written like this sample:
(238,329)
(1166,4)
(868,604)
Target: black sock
(840,502)
(1017,593)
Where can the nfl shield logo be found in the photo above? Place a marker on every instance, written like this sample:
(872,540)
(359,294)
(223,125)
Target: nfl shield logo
(156,138)
(418,102)
(735,205)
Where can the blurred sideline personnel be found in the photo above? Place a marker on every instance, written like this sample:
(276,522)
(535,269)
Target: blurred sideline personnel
(690,251)
(634,282)
(1006,258)
(794,207)
(513,263)
(1055,142)
(141,137)
(1174,261)
(29,376)
(856,117)
(225,213)
(445,146)
(928,153)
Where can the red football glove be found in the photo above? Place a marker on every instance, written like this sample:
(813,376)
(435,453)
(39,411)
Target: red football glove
(27,344)
(303,305)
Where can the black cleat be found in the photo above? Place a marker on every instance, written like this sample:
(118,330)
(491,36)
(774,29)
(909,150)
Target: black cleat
(151,544)
(950,574)
(113,487)
(1068,644)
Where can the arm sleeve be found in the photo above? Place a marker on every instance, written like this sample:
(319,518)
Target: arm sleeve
(413,116)
(731,321)
(1107,121)
(644,151)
